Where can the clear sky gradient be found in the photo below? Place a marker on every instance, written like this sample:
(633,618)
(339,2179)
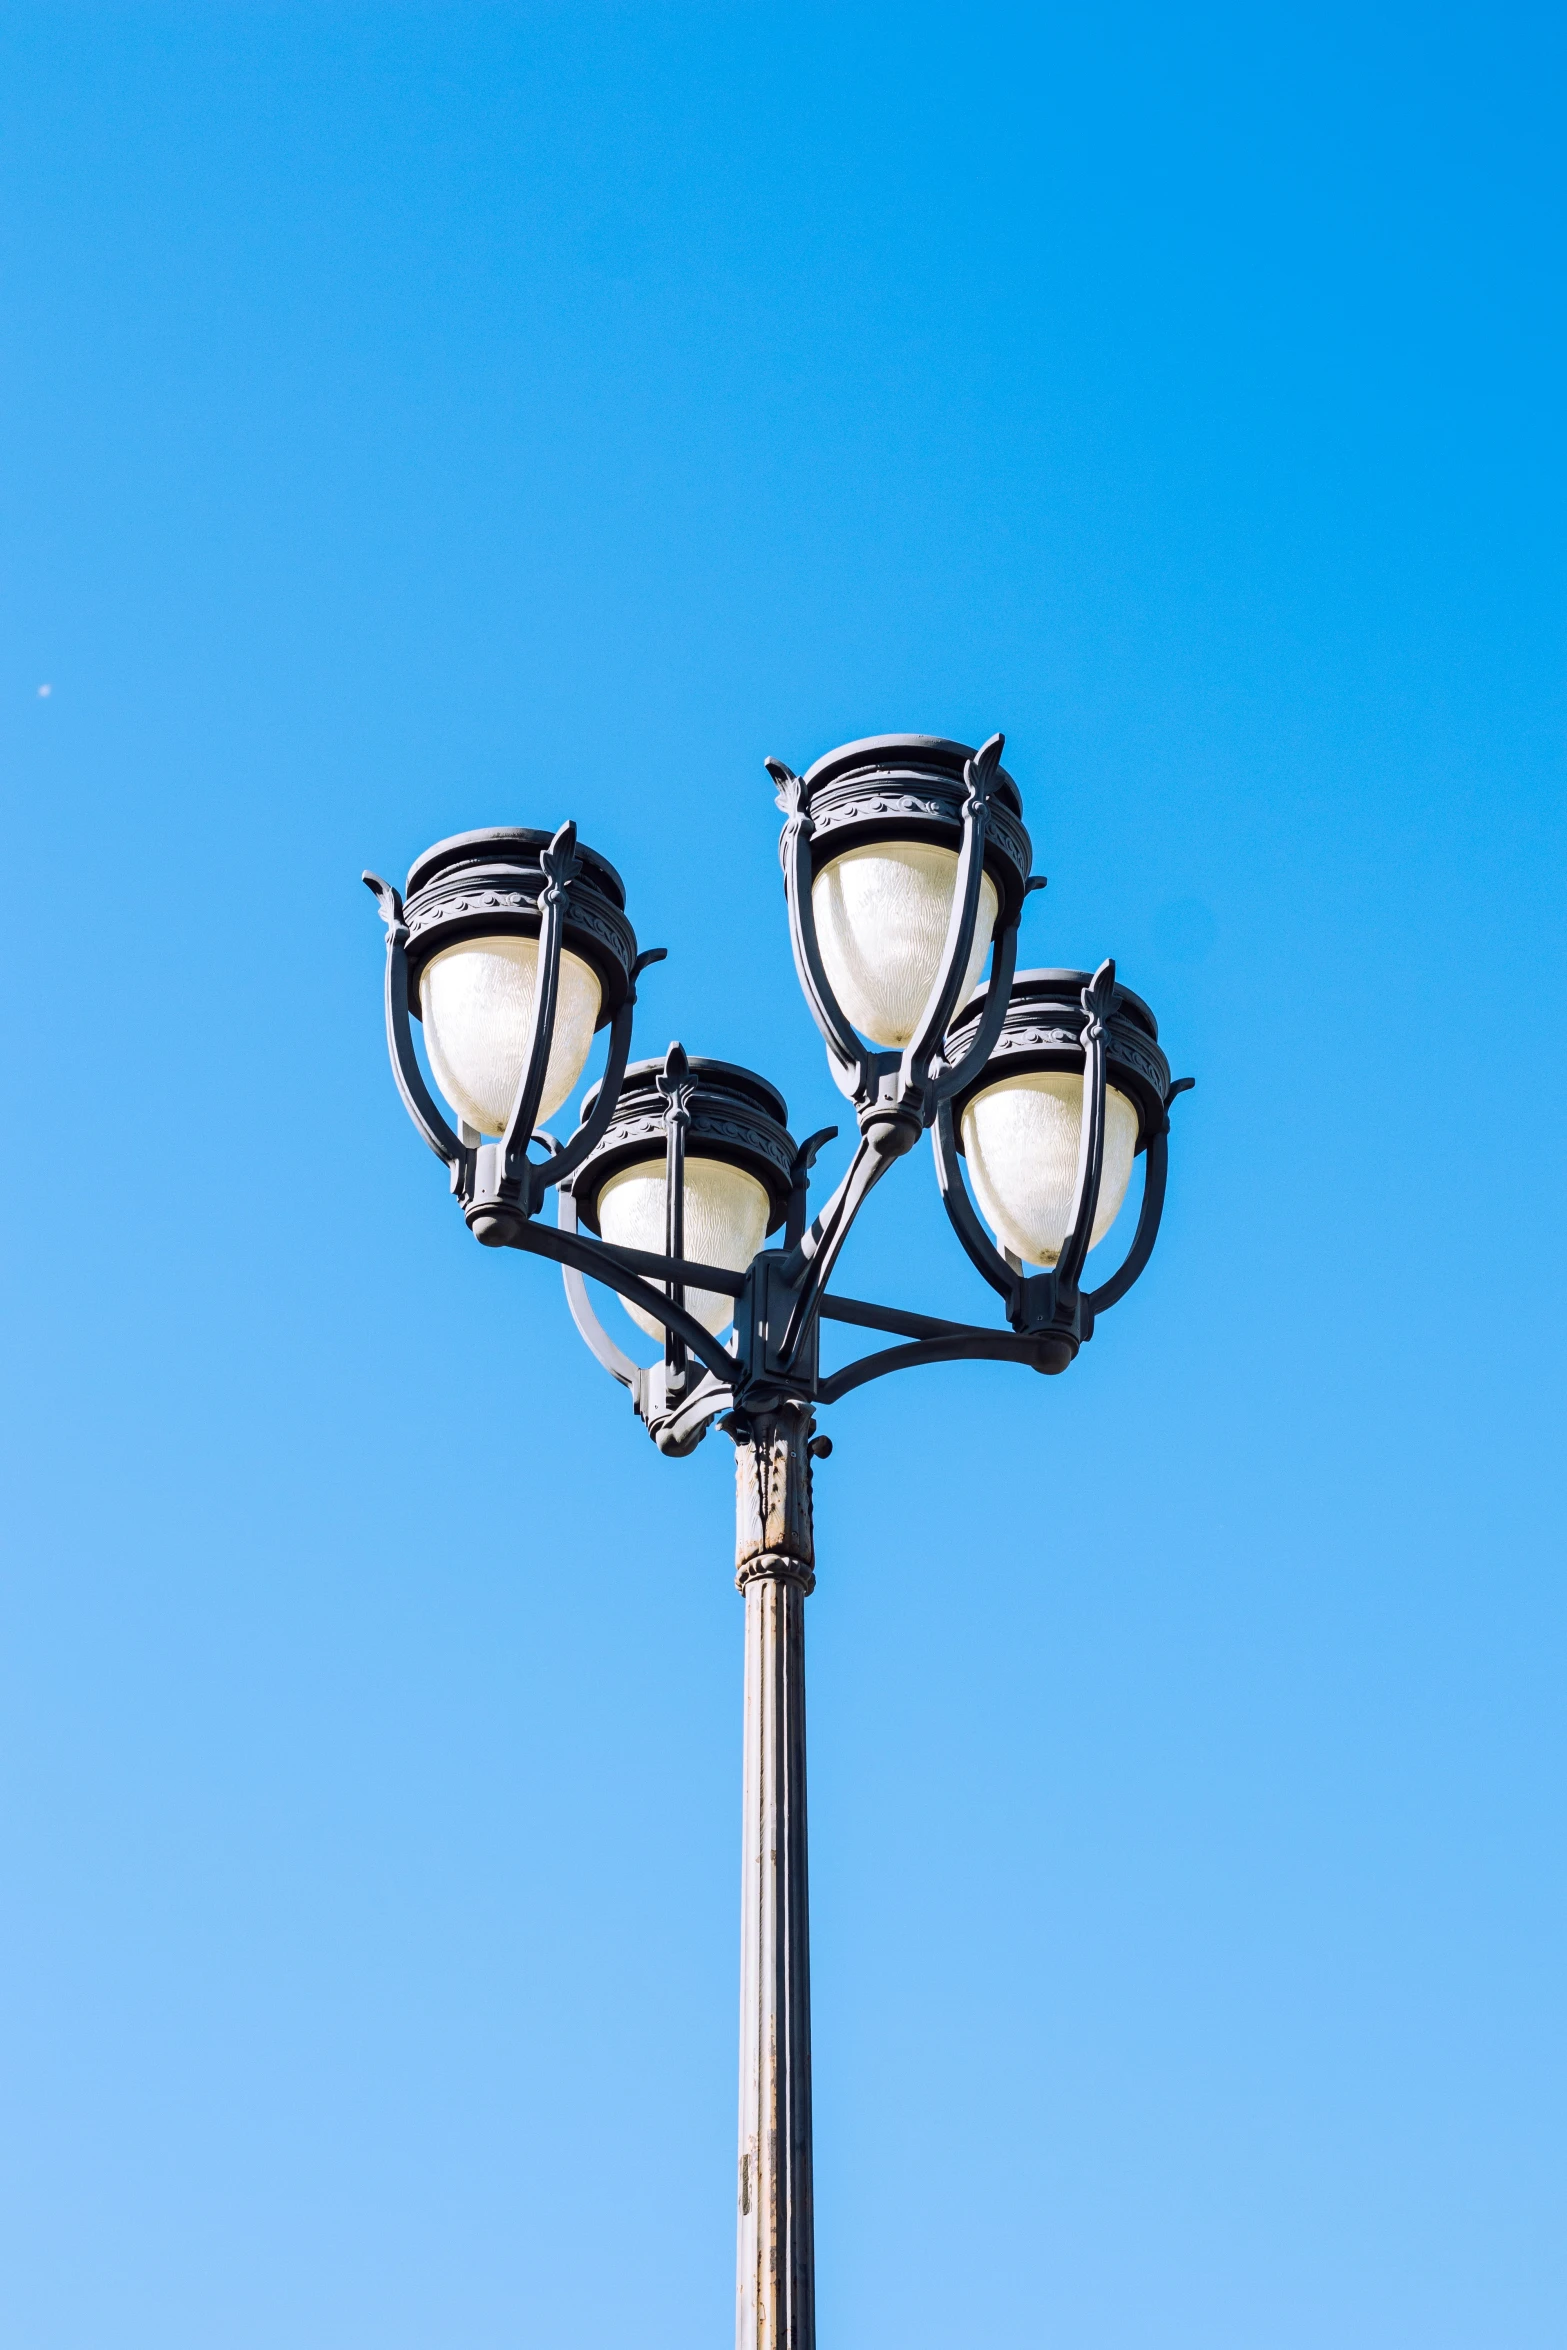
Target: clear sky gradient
(425,418)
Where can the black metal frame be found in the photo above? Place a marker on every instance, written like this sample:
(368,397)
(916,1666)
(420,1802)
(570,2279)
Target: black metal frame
(552,888)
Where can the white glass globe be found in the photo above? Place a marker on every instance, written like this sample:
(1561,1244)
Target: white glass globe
(476,999)
(881,921)
(1021,1136)
(725,1224)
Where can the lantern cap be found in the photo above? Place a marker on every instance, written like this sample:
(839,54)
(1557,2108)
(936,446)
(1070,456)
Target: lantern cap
(733,1114)
(911,787)
(487,884)
(1043,1029)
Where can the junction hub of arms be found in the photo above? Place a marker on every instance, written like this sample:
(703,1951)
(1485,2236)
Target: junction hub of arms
(906,865)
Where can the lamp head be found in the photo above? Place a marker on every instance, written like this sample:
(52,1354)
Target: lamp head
(487,884)
(473,920)
(1018,1121)
(910,787)
(738,1158)
(887,824)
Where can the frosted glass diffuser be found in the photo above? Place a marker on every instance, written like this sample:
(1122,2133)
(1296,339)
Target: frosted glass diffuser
(1021,1136)
(725,1224)
(881,922)
(476,999)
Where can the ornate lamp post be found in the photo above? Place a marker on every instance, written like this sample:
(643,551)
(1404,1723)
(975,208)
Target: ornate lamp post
(905,861)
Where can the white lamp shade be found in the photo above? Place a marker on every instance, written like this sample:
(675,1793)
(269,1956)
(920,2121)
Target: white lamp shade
(1021,1137)
(881,922)
(725,1224)
(476,999)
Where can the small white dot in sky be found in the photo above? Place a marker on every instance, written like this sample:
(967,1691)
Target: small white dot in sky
(44,691)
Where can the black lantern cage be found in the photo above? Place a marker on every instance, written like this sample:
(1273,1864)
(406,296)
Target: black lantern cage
(552,889)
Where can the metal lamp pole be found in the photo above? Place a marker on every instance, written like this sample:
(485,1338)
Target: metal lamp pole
(511,946)
(775,2285)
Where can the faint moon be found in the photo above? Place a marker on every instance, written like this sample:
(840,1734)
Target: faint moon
(44,691)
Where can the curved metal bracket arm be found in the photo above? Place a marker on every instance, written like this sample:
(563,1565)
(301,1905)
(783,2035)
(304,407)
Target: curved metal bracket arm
(605,1264)
(679,1426)
(996,1346)
(809,1266)
(979,775)
(1003,967)
(819,1236)
(894,1318)
(416,1096)
(799,1181)
(676,1089)
(615,1360)
(1156,1159)
(675,1423)
(978,1246)
(848,1056)
(561,864)
(566,1158)
(1097,998)
(690,1270)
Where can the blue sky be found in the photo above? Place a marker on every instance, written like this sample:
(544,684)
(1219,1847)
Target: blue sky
(425,418)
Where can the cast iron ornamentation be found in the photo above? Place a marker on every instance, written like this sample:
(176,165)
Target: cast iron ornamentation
(551,888)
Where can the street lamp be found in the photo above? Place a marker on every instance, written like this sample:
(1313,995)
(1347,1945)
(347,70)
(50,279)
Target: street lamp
(905,862)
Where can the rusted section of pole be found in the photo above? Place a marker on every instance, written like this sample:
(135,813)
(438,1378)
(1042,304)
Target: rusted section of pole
(774,1568)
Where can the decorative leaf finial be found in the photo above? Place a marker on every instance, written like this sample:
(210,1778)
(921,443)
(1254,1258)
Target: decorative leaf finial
(1098,999)
(979,773)
(790,794)
(677,1085)
(560,860)
(389,902)
(805,1156)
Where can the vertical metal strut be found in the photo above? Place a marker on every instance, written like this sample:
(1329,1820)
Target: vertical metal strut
(774,1568)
